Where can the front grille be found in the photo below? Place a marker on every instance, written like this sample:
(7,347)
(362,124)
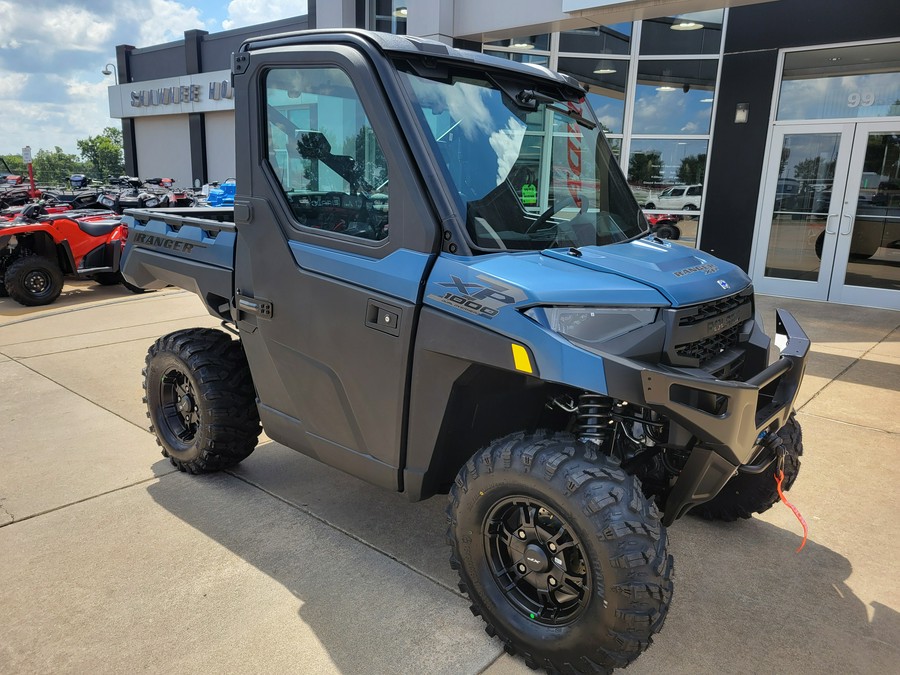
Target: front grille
(712,309)
(709,347)
(700,335)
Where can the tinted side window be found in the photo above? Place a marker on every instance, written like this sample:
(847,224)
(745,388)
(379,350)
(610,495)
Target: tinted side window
(695,191)
(324,153)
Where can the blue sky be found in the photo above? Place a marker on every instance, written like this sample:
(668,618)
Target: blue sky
(52,51)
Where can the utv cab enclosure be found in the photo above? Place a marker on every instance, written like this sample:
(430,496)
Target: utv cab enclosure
(440,282)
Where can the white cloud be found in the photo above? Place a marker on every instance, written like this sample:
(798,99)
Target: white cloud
(248,12)
(163,21)
(51,55)
(507,144)
(52,52)
(11,85)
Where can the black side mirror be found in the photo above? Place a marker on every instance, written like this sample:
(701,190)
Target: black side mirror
(313,145)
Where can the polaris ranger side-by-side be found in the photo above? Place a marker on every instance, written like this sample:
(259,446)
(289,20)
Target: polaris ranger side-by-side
(440,282)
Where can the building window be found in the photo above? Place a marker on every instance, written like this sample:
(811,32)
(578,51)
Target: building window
(615,39)
(390,16)
(674,97)
(525,42)
(696,33)
(606,81)
(841,82)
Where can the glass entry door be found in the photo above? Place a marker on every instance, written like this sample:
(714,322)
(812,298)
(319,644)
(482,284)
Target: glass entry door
(866,269)
(831,214)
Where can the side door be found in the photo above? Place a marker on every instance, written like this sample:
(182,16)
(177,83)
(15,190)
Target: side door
(335,237)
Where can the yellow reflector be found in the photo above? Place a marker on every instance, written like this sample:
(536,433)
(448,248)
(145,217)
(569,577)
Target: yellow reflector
(520,356)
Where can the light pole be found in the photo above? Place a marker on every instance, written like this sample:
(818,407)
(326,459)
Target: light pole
(107,71)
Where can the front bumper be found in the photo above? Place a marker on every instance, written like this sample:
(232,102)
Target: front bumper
(728,418)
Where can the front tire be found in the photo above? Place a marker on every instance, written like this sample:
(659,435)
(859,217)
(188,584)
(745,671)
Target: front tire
(746,494)
(33,280)
(667,231)
(200,399)
(560,553)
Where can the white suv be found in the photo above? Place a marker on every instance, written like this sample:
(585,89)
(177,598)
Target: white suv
(677,198)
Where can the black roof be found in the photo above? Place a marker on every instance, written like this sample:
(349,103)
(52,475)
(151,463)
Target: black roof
(389,43)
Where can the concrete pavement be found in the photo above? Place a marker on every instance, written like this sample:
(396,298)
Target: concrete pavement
(111,561)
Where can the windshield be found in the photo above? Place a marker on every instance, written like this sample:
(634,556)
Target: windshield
(526,179)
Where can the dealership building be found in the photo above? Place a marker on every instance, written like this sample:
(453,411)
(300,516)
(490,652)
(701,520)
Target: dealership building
(766,133)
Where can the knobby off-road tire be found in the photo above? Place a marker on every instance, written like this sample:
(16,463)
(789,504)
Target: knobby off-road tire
(200,399)
(746,494)
(531,508)
(33,280)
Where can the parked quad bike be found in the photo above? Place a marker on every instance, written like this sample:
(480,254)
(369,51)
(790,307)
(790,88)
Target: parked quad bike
(37,250)
(145,194)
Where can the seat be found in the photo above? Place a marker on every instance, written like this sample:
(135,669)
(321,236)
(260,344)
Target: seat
(98,228)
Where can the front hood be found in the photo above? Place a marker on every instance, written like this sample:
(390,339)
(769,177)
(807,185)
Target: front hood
(683,275)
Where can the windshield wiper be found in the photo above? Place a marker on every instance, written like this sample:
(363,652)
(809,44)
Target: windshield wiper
(529,98)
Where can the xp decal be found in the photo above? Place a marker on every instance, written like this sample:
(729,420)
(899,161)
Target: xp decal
(482,298)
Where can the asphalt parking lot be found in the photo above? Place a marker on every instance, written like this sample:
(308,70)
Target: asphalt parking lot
(112,561)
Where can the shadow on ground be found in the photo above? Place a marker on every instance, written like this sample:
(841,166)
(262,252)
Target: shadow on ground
(744,600)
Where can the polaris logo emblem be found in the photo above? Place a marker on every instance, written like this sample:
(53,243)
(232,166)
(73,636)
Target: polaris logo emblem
(723,284)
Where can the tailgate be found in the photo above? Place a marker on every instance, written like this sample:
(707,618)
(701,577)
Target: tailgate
(192,248)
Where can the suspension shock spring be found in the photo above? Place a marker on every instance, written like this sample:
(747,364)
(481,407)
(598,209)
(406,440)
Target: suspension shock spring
(594,420)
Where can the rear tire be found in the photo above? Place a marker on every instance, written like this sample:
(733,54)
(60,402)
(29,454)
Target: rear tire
(560,553)
(200,399)
(746,493)
(108,278)
(33,280)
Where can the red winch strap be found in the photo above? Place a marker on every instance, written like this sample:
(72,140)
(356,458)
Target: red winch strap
(779,477)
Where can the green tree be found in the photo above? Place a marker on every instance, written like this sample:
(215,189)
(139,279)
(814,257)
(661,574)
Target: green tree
(692,169)
(644,167)
(103,153)
(813,169)
(370,163)
(54,168)
(15,164)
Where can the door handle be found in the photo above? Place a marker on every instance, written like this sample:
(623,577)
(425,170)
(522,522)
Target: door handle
(828,220)
(383,317)
(849,224)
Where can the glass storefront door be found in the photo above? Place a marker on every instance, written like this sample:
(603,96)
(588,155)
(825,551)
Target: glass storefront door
(831,229)
(867,257)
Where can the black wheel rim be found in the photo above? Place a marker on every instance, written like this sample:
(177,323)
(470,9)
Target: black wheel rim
(38,283)
(537,560)
(178,400)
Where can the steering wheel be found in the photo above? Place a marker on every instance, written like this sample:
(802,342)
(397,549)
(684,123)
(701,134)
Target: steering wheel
(557,207)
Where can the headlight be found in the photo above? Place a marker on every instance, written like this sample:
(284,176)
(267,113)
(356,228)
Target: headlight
(108,202)
(150,203)
(593,325)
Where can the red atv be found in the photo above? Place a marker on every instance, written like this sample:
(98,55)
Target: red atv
(663,225)
(37,249)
